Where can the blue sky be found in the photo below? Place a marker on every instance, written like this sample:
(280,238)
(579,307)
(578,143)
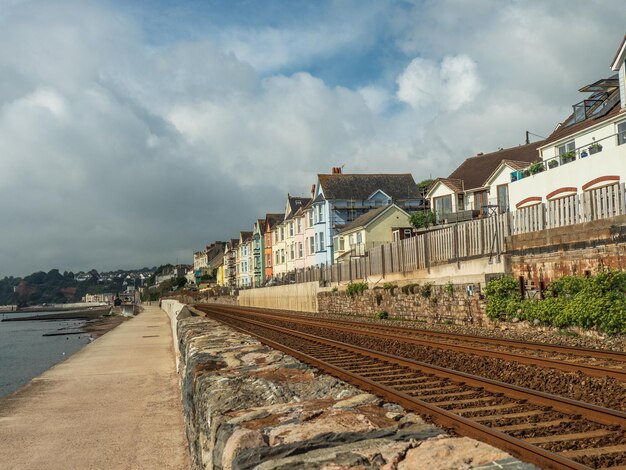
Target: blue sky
(134,133)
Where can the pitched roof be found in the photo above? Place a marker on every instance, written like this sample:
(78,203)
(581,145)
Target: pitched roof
(454,184)
(296,203)
(474,171)
(361,186)
(274,219)
(369,216)
(620,51)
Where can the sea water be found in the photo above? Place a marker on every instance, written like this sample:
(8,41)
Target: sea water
(25,353)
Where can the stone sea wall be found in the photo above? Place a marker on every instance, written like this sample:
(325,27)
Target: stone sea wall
(443,304)
(248,406)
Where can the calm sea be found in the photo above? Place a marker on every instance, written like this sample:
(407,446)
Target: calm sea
(25,353)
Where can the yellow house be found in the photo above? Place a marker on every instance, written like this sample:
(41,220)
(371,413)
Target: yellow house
(220,277)
(372,229)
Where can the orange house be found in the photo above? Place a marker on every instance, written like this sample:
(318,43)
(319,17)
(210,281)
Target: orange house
(271,220)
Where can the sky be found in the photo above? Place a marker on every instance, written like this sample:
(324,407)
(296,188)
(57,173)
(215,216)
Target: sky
(134,133)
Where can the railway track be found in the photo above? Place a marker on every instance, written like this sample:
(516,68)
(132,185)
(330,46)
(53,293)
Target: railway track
(592,362)
(547,430)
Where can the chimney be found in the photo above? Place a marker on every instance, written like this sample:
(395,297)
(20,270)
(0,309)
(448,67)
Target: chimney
(313,190)
(336,170)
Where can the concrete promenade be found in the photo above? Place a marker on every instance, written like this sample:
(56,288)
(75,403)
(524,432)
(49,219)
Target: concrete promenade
(113,405)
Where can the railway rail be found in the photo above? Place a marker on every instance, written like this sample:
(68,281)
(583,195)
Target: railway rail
(592,362)
(547,430)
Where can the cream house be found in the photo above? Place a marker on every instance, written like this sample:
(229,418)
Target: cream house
(371,229)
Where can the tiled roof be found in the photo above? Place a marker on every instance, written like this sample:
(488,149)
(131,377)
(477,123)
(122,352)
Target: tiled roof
(360,186)
(368,217)
(296,203)
(454,184)
(274,219)
(474,171)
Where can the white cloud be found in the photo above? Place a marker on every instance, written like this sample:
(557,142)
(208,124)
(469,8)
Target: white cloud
(450,85)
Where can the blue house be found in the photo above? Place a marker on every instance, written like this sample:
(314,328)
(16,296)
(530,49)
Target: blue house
(340,198)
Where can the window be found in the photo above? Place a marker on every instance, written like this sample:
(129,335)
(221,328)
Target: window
(311,245)
(566,150)
(503,198)
(300,254)
(443,207)
(282,255)
(359,238)
(481,199)
(277,256)
(341,244)
(407,232)
(299,226)
(282,233)
(317,242)
(321,213)
(292,253)
(621,133)
(291,229)
(322,244)
(275,236)
(310,218)
(269,261)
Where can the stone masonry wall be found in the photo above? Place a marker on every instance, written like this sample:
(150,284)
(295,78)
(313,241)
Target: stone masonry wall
(440,307)
(573,250)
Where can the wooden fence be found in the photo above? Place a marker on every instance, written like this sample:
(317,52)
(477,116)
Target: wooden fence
(472,239)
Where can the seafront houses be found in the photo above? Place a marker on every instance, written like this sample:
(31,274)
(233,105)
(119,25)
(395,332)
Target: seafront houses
(479,181)
(294,231)
(271,221)
(370,230)
(244,260)
(258,255)
(340,198)
(278,251)
(309,234)
(230,263)
(586,152)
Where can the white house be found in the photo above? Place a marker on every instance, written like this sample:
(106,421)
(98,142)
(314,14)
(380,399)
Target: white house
(586,151)
(479,182)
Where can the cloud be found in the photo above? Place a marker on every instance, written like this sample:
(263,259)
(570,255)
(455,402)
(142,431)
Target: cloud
(450,85)
(118,150)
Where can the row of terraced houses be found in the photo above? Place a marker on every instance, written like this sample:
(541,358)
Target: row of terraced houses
(346,215)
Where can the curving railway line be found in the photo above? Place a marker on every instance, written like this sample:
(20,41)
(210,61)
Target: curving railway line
(547,430)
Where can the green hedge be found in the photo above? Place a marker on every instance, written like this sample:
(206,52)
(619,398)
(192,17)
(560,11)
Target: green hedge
(589,302)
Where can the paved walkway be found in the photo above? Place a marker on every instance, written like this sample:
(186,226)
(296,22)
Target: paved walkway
(113,405)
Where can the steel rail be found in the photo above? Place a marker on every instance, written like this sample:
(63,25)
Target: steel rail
(459,424)
(571,350)
(594,371)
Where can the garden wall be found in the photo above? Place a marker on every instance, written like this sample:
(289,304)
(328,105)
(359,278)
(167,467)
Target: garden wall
(440,307)
(294,297)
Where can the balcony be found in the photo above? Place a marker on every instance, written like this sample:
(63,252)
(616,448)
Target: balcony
(592,148)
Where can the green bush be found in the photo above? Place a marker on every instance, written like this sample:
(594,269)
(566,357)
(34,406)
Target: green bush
(388,285)
(356,288)
(449,289)
(335,289)
(588,302)
(382,315)
(426,290)
(422,219)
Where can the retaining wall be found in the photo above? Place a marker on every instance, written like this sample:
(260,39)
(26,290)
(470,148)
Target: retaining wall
(440,307)
(549,254)
(294,297)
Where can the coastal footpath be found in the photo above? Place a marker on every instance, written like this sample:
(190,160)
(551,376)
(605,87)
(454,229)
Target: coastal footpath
(113,405)
(249,406)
